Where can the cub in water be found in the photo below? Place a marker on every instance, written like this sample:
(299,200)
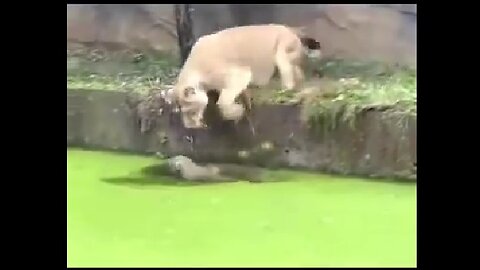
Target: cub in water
(186,168)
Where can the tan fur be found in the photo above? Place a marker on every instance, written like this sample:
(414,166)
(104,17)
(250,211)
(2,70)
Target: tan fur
(187,169)
(233,59)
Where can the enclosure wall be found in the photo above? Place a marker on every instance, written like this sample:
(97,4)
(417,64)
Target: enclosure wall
(367,31)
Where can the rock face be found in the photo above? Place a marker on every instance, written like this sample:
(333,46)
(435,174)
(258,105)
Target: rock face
(367,31)
(364,32)
(139,26)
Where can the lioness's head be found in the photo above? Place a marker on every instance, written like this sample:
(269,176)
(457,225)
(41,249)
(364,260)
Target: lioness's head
(192,102)
(178,163)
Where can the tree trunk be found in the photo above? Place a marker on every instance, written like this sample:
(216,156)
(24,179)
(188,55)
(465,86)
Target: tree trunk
(184,30)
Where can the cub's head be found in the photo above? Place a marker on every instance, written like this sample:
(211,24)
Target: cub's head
(192,101)
(179,163)
(176,163)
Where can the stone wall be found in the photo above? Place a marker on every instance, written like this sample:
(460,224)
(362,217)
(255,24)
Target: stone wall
(375,147)
(378,32)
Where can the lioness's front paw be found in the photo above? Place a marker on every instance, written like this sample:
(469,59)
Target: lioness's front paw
(232,112)
(191,125)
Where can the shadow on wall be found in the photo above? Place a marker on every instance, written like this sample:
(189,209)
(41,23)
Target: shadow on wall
(372,32)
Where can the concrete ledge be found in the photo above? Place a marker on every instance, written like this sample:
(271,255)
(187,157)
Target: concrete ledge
(376,147)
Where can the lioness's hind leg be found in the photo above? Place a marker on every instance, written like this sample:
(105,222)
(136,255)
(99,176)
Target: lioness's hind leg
(299,75)
(246,100)
(286,69)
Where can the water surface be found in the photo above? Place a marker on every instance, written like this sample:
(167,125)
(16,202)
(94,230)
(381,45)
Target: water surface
(119,215)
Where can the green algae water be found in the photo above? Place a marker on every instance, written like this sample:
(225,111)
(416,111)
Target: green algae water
(120,216)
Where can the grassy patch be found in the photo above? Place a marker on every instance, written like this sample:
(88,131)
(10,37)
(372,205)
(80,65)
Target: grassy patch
(345,89)
(349,88)
(99,68)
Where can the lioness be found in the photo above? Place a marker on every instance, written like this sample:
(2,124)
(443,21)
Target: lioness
(233,59)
